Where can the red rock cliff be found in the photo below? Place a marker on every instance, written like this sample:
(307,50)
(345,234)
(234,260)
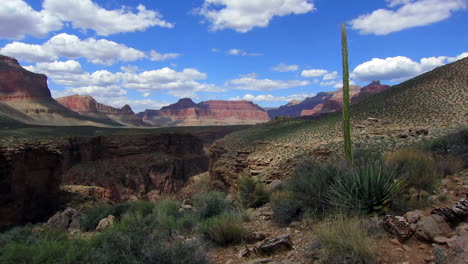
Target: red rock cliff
(88,106)
(216,112)
(17,83)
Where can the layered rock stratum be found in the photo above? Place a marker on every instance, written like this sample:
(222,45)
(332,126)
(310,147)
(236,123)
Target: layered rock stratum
(26,98)
(326,102)
(87,106)
(216,112)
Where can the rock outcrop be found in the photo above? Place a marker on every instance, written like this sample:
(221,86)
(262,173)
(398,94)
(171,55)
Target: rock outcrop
(187,113)
(27,92)
(16,83)
(326,102)
(31,173)
(87,106)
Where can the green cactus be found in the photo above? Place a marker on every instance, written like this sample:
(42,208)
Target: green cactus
(346,123)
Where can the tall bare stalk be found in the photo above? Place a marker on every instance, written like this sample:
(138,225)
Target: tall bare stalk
(346,122)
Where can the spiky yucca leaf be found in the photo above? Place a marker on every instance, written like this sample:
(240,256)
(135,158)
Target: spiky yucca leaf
(369,188)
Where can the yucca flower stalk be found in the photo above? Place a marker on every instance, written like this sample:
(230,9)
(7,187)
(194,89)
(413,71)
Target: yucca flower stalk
(346,122)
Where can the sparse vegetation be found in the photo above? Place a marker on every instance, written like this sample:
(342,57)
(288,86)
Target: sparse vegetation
(252,193)
(223,229)
(416,167)
(346,240)
(211,204)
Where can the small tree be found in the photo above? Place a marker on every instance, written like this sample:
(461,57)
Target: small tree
(346,123)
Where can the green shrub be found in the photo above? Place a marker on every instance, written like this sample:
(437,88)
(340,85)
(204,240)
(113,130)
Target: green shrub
(416,167)
(363,156)
(285,208)
(412,199)
(17,234)
(94,215)
(48,246)
(369,188)
(223,229)
(310,185)
(346,240)
(142,239)
(252,193)
(210,204)
(168,214)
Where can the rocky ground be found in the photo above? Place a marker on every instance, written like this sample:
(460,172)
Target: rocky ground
(431,235)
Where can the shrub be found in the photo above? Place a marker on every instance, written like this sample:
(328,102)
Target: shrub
(210,204)
(310,185)
(252,193)
(345,240)
(17,234)
(411,200)
(363,156)
(417,167)
(448,164)
(168,214)
(223,229)
(48,246)
(285,208)
(141,239)
(368,188)
(94,215)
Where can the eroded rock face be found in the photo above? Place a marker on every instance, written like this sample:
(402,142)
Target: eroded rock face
(29,184)
(69,219)
(187,113)
(17,83)
(30,174)
(88,106)
(326,102)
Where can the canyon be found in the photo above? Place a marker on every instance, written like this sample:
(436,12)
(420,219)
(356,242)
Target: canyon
(216,112)
(327,102)
(124,167)
(87,106)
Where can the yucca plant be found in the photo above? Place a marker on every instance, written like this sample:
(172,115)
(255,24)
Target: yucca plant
(369,188)
(346,122)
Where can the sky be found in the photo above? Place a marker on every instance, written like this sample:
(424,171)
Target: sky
(151,53)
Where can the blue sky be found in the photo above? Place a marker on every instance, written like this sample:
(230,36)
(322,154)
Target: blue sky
(150,53)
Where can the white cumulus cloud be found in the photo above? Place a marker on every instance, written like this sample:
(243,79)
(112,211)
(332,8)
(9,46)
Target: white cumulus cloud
(410,14)
(85,14)
(239,52)
(181,84)
(254,84)
(23,20)
(272,98)
(313,73)
(155,56)
(330,76)
(399,68)
(19,19)
(282,67)
(243,15)
(98,51)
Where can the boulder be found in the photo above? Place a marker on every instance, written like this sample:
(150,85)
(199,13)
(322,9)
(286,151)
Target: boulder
(454,215)
(432,226)
(397,226)
(274,245)
(69,219)
(255,237)
(412,217)
(106,223)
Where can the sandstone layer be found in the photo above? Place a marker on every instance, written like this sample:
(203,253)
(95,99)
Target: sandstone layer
(217,112)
